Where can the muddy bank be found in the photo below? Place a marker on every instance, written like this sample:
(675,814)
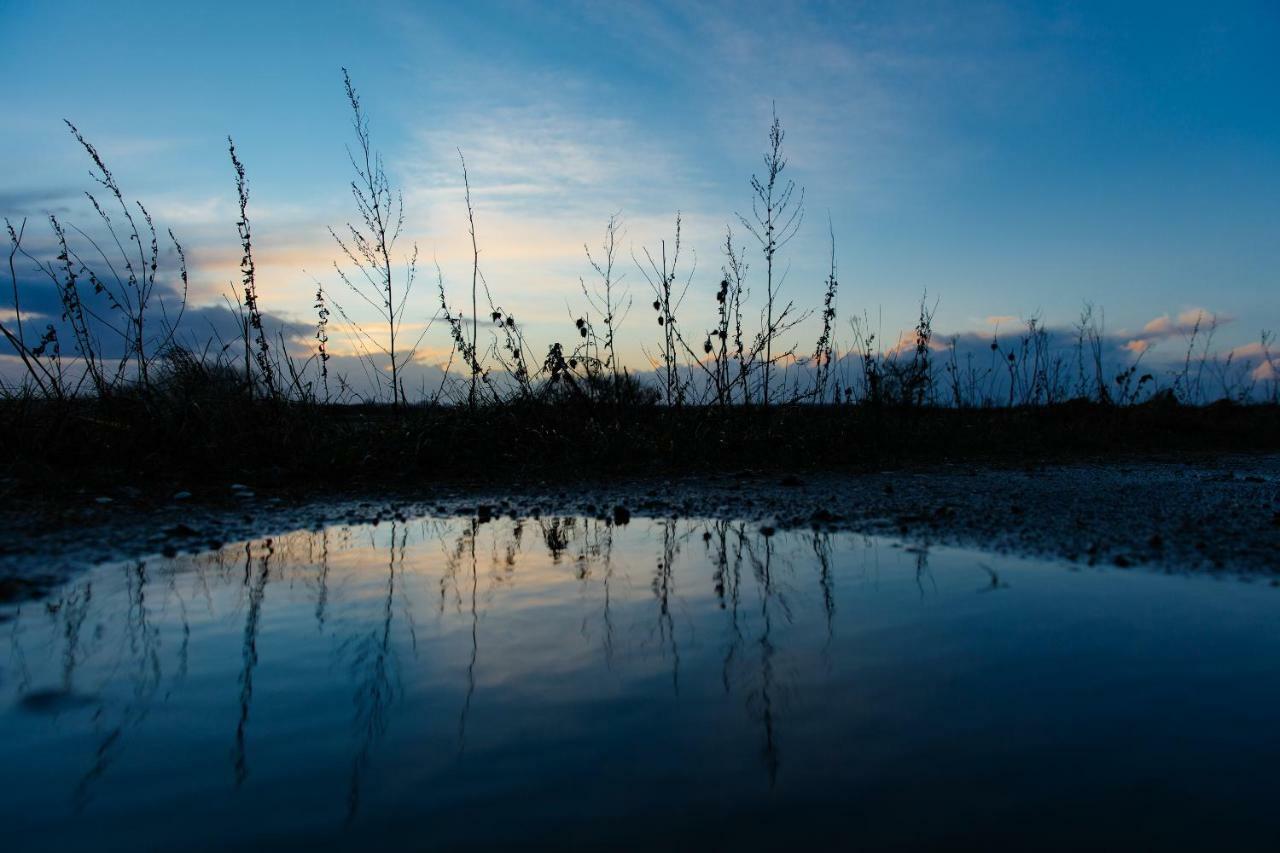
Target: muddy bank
(1219,513)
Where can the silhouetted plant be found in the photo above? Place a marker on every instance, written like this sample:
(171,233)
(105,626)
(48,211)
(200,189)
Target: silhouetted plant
(1091,332)
(322,339)
(735,271)
(119,301)
(612,305)
(777,216)
(461,344)
(511,354)
(823,351)
(248,279)
(1272,366)
(560,372)
(871,374)
(661,276)
(369,250)
(132,295)
(42,361)
(475,273)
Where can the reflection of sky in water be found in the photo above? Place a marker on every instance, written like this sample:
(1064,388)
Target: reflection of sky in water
(442,682)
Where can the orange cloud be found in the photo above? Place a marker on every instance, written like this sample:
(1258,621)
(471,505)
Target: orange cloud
(1185,323)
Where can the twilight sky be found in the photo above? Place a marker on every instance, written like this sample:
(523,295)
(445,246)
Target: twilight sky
(1009,158)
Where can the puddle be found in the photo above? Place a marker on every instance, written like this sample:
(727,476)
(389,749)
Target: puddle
(441,682)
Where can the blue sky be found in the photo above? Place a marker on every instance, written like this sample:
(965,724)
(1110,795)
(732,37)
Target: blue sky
(1008,158)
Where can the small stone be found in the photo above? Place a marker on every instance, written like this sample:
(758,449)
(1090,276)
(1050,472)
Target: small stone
(103,500)
(181,496)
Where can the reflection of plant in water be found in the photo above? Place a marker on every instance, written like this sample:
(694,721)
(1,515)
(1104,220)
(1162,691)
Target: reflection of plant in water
(597,537)
(17,655)
(764,693)
(728,581)
(922,568)
(470,538)
(600,547)
(249,651)
(462,569)
(761,696)
(144,638)
(755,646)
(69,612)
(663,588)
(821,543)
(997,583)
(322,579)
(373,665)
(557,534)
(184,649)
(513,546)
(74,608)
(101,762)
(144,645)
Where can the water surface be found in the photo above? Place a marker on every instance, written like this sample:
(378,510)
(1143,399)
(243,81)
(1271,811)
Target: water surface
(444,682)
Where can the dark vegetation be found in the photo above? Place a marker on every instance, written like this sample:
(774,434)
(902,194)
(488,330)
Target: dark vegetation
(112,393)
(195,437)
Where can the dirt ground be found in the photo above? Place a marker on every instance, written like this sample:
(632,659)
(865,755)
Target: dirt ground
(1219,513)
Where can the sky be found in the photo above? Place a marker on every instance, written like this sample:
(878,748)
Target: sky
(1011,159)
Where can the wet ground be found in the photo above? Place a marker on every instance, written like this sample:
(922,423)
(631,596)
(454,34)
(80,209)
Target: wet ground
(642,680)
(1213,513)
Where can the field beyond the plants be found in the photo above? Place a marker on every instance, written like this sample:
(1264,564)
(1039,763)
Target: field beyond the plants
(161,445)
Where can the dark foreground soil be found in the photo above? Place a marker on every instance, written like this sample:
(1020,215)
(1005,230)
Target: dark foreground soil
(1211,513)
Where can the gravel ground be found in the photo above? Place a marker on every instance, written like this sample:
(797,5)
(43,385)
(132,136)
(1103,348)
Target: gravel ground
(1218,513)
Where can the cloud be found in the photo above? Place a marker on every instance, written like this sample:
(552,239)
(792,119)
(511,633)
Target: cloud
(8,315)
(906,343)
(16,204)
(524,157)
(1265,361)
(1188,323)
